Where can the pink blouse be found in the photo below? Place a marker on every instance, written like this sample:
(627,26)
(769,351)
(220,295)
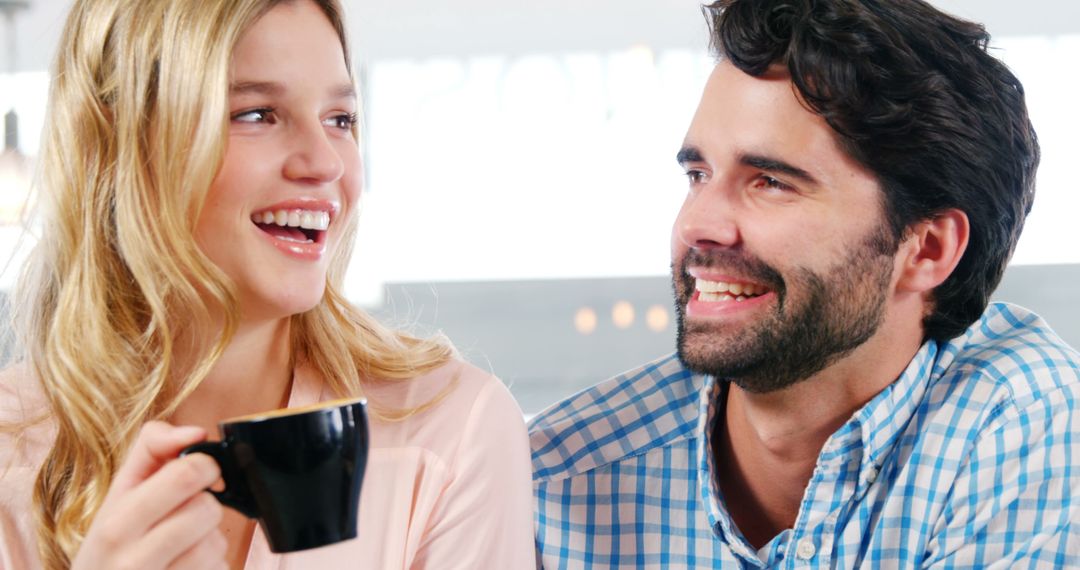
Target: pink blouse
(447,488)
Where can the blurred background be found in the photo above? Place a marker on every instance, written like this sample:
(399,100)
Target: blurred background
(521,180)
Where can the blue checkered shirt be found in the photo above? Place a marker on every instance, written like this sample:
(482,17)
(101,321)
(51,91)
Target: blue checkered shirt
(970,459)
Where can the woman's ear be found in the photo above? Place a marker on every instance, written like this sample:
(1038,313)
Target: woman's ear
(931,250)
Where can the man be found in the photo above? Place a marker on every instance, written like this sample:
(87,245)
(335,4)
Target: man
(843,396)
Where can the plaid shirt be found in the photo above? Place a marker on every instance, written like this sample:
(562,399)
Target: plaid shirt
(970,459)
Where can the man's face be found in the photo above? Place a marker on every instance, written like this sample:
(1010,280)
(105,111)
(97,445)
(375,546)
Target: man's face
(781,260)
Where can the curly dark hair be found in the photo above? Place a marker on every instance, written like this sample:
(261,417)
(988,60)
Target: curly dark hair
(914,97)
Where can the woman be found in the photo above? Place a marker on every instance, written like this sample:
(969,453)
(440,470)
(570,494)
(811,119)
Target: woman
(200,177)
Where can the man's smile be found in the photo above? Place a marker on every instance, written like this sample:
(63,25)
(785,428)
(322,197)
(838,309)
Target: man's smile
(721,286)
(725,291)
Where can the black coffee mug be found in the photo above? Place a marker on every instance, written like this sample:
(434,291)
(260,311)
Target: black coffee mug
(298,471)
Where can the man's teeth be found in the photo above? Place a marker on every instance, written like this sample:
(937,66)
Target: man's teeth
(307,219)
(712,291)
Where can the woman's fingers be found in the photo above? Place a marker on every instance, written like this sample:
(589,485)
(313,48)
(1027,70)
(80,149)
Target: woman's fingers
(157,444)
(182,531)
(156,512)
(208,554)
(190,531)
(166,491)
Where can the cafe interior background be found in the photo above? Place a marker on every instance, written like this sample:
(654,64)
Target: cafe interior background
(520,176)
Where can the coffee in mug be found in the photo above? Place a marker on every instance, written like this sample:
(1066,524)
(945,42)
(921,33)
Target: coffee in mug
(297,471)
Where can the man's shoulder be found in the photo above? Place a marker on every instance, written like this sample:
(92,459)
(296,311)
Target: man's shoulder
(1014,355)
(648,407)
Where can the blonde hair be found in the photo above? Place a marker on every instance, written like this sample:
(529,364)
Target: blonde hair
(135,136)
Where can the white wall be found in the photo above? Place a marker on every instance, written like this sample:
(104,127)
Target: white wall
(423,28)
(550,188)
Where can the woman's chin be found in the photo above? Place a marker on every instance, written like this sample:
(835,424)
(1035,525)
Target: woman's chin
(280,307)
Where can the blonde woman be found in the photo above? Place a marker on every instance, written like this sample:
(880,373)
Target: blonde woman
(169,291)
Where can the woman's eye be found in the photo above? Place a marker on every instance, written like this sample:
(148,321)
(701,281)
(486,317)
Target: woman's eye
(254,116)
(344,121)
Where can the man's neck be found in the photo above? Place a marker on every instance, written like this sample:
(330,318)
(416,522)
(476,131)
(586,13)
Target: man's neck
(766,446)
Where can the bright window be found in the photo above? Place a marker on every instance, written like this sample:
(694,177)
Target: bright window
(555,166)
(562,166)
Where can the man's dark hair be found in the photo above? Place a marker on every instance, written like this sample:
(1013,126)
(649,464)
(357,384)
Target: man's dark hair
(914,97)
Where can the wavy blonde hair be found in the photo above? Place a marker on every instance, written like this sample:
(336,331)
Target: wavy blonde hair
(135,135)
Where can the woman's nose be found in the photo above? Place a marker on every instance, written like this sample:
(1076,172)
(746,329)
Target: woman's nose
(313,156)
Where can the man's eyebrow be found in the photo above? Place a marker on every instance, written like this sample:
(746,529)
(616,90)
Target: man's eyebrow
(777,166)
(341,91)
(688,154)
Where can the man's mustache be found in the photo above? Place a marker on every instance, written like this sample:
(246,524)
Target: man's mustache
(740,263)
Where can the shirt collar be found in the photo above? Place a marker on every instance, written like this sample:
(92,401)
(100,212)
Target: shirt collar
(883,419)
(712,393)
(868,437)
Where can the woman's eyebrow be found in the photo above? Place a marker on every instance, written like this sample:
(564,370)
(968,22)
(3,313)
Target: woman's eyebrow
(256,87)
(344,90)
(340,91)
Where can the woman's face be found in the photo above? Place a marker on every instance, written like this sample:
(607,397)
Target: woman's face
(276,211)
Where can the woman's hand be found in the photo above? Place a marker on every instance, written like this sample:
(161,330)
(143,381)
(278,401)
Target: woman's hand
(156,514)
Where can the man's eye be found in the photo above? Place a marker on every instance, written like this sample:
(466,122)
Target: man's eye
(344,122)
(695,176)
(770,183)
(254,116)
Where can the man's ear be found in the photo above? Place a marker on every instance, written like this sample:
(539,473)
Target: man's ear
(931,250)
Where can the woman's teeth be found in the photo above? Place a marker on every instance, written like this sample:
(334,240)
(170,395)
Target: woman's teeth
(713,291)
(306,219)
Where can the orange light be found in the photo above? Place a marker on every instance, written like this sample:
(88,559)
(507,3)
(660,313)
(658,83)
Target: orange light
(585,320)
(622,314)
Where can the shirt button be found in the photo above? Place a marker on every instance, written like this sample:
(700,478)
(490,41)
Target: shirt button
(806,549)
(871,474)
(832,518)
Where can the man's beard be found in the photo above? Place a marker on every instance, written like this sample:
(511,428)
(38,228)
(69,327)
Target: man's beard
(837,312)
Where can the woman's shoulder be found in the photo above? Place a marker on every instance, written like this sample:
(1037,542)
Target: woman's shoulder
(443,406)
(25,437)
(21,397)
(455,385)
(15,374)
(472,390)
(26,427)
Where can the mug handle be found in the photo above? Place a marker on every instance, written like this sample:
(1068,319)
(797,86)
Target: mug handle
(235,494)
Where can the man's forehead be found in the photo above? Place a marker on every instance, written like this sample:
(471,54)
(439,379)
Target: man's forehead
(737,106)
(764,116)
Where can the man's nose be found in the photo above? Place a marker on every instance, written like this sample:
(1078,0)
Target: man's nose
(707,219)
